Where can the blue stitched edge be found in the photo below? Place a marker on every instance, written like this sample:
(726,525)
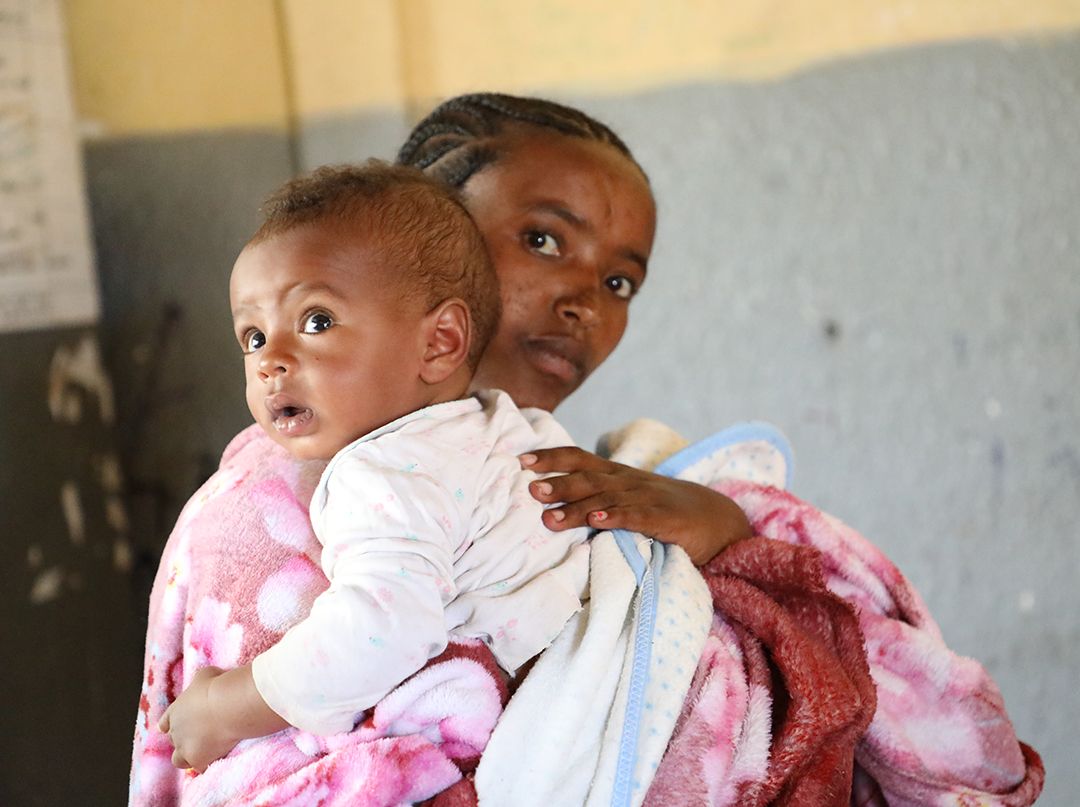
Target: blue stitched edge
(625,541)
(648,581)
(739,433)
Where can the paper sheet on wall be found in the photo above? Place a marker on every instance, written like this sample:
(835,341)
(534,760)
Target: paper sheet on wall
(47,275)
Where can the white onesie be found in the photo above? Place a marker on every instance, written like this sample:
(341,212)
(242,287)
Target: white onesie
(428,529)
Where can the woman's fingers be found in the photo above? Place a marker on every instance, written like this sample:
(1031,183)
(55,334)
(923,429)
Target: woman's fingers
(606,495)
(163,723)
(607,510)
(636,518)
(178,760)
(577,486)
(566,459)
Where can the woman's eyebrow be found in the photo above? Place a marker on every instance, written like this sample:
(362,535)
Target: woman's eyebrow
(562,212)
(638,258)
(580,223)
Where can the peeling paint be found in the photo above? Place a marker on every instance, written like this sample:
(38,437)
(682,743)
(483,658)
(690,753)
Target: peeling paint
(109,473)
(116,514)
(73,512)
(47,585)
(123,558)
(78,368)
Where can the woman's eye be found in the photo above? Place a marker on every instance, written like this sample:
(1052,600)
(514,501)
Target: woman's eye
(541,242)
(317,323)
(253,340)
(623,287)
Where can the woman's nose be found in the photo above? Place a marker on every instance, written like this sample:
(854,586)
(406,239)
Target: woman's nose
(579,305)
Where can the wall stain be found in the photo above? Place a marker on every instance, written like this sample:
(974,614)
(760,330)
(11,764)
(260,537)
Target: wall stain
(79,368)
(1068,459)
(47,585)
(960,349)
(71,505)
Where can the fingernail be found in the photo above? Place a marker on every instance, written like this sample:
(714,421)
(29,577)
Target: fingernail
(558,515)
(527,460)
(599,515)
(543,488)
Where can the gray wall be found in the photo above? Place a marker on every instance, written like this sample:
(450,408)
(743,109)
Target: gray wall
(879,255)
(882,257)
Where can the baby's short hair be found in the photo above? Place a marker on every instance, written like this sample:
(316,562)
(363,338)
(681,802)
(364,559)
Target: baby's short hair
(421,225)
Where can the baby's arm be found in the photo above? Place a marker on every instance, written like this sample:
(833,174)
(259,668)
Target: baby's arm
(219,709)
(387,553)
(607,495)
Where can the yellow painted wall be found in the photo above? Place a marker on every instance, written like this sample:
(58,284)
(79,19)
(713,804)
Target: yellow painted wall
(193,64)
(152,66)
(614,46)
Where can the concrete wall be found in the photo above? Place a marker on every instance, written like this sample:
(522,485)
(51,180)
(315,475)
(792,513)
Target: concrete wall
(867,236)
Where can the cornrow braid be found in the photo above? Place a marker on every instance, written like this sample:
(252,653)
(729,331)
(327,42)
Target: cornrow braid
(460,135)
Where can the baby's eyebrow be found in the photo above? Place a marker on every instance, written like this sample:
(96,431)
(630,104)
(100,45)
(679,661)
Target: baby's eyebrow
(242,310)
(315,286)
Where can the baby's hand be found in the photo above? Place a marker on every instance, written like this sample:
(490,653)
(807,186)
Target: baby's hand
(194,726)
(607,496)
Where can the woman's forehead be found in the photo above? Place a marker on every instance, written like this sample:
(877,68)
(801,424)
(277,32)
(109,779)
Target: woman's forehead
(536,167)
(532,144)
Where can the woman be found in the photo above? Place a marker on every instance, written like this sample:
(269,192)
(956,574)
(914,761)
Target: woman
(569,219)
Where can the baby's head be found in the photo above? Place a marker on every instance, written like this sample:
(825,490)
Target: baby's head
(366,294)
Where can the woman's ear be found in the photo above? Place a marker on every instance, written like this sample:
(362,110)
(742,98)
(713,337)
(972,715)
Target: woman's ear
(448,331)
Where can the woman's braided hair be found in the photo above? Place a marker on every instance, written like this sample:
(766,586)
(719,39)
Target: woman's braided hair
(460,135)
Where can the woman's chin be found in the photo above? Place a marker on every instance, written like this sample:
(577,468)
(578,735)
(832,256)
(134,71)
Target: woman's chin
(526,395)
(544,392)
(531,383)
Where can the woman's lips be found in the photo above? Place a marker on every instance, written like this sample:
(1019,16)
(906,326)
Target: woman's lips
(559,356)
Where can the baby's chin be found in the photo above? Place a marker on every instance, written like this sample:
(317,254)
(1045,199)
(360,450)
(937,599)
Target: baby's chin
(304,449)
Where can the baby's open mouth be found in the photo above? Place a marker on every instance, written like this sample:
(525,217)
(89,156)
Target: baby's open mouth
(287,415)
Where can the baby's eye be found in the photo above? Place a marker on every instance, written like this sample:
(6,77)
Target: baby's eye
(253,340)
(623,287)
(541,242)
(317,323)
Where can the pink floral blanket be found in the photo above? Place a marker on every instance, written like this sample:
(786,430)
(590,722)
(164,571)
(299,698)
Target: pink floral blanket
(777,710)
(241,566)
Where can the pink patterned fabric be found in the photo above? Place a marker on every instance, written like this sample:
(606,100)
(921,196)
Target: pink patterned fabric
(939,735)
(759,725)
(241,567)
(787,682)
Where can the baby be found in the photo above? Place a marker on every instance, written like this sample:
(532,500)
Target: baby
(362,305)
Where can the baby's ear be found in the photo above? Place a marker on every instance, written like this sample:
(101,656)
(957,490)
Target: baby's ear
(448,330)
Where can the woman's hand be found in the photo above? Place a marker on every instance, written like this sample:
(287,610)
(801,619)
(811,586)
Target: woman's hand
(606,495)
